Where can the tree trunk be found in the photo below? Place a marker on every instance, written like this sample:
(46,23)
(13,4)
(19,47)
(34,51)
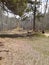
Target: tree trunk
(34,15)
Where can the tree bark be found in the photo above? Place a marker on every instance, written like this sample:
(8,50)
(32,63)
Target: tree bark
(34,15)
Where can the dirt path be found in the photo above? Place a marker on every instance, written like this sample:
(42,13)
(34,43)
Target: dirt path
(20,53)
(46,34)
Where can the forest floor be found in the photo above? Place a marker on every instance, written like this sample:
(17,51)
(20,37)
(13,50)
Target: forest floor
(24,50)
(46,34)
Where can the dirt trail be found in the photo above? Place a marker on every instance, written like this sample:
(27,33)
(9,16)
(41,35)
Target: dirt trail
(46,34)
(20,53)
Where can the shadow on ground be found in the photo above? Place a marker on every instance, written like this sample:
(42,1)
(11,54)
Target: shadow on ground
(15,35)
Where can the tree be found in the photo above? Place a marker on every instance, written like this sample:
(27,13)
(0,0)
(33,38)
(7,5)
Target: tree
(18,6)
(46,7)
(15,6)
(34,15)
(34,3)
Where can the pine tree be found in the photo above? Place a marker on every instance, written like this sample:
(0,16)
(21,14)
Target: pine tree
(16,6)
(35,4)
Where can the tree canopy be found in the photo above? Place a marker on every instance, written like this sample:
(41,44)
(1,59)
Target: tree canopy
(16,6)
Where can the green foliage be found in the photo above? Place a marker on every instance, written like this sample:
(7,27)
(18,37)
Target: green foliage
(16,6)
(28,9)
(39,15)
(24,18)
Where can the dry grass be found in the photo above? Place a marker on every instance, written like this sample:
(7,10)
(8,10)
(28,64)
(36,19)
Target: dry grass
(25,51)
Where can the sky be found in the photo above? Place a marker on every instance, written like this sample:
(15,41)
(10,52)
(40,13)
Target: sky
(43,6)
(44,0)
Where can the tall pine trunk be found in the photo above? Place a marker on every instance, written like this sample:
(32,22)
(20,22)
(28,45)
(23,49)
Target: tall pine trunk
(34,15)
